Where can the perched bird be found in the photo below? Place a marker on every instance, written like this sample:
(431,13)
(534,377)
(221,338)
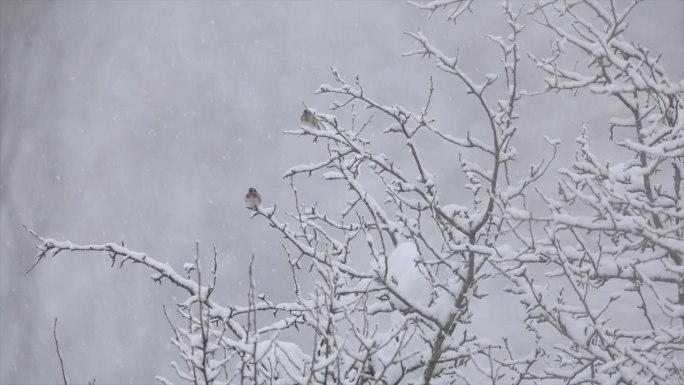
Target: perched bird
(308,119)
(252,198)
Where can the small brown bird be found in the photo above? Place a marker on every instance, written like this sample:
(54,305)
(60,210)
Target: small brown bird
(252,198)
(308,119)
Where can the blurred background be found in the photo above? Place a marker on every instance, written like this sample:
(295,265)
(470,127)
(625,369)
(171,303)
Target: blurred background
(146,122)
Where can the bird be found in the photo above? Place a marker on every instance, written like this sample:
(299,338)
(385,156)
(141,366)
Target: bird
(308,119)
(252,198)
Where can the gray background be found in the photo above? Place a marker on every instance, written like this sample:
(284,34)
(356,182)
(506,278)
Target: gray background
(147,122)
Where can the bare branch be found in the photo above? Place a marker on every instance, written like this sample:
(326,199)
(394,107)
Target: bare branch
(59,353)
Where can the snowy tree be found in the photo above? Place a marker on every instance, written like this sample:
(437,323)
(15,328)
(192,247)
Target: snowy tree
(396,279)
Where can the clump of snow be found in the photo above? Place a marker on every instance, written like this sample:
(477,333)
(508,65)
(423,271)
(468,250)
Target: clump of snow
(404,273)
(552,141)
(188,267)
(332,175)
(519,213)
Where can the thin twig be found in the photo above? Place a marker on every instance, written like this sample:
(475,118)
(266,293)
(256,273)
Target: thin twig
(59,354)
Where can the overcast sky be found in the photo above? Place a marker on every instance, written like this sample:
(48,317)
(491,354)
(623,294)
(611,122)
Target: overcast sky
(147,122)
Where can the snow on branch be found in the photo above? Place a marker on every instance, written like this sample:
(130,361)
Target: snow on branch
(454,7)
